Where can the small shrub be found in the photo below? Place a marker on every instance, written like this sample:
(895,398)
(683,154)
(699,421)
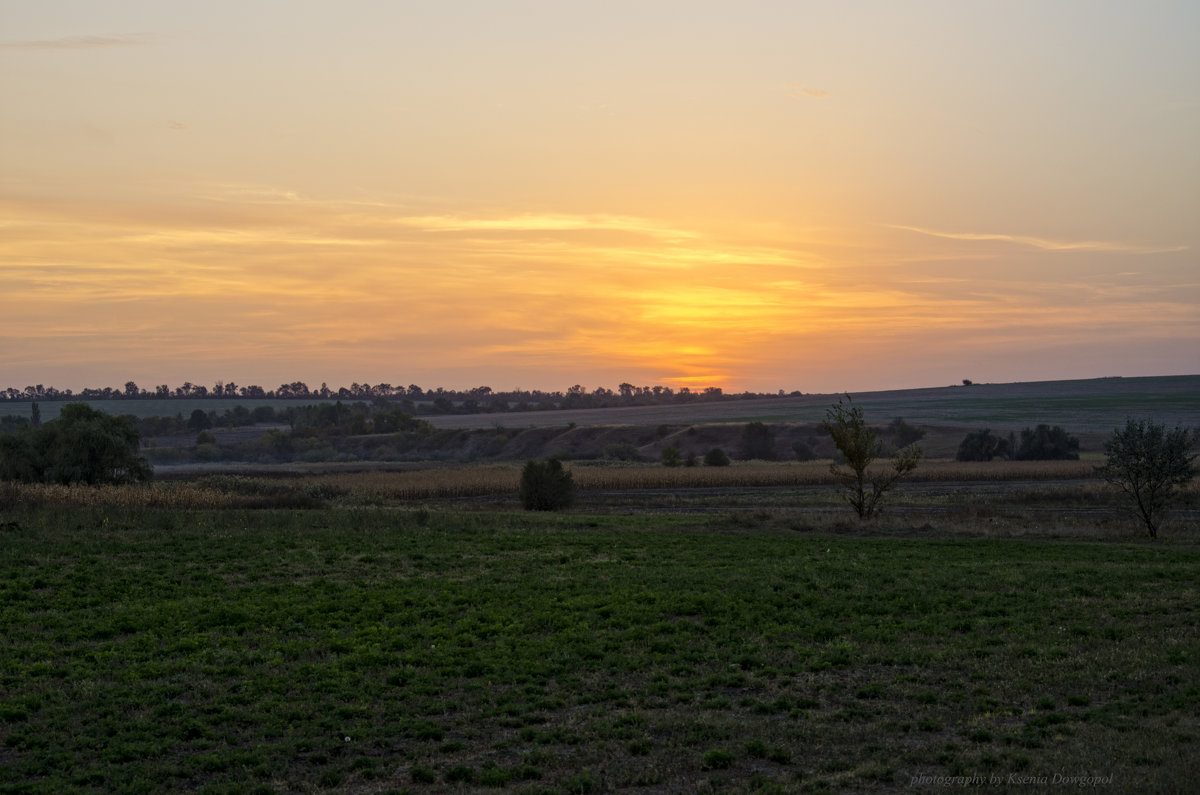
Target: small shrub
(582,783)
(546,486)
(716,457)
(803,450)
(495,777)
(717,759)
(905,434)
(622,451)
(670,457)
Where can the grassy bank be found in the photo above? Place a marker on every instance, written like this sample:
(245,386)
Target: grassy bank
(381,649)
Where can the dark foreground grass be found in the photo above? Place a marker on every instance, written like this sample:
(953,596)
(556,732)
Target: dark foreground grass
(390,651)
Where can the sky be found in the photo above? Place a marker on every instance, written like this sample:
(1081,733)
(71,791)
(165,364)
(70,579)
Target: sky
(535,194)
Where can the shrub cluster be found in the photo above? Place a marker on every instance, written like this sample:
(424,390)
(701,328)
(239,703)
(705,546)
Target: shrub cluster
(82,446)
(546,486)
(1044,443)
(983,446)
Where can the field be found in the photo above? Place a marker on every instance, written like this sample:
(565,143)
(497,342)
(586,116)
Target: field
(1086,406)
(745,637)
(1083,406)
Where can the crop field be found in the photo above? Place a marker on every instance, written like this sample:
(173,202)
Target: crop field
(416,483)
(380,646)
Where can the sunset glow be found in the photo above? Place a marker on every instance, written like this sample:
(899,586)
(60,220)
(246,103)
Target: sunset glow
(533,194)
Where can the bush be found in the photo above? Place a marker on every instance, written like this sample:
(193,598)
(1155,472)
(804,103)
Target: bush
(716,458)
(670,457)
(905,434)
(1149,463)
(1047,444)
(546,486)
(983,446)
(622,451)
(717,759)
(803,450)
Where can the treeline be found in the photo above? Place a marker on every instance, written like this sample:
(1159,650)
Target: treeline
(327,419)
(322,432)
(1043,443)
(482,399)
(336,419)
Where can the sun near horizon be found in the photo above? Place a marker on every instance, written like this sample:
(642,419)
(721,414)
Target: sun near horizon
(531,194)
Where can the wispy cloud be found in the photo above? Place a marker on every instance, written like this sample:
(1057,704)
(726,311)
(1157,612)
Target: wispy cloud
(1043,243)
(80,42)
(799,90)
(544,223)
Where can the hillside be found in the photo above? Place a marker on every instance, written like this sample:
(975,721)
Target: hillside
(1085,406)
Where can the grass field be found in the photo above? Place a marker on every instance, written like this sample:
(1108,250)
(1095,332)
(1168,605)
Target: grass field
(383,649)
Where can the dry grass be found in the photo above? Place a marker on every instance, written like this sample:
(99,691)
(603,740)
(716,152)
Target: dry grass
(503,478)
(185,496)
(499,479)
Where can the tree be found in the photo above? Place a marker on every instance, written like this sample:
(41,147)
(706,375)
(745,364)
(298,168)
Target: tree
(671,457)
(758,441)
(1149,463)
(983,446)
(860,446)
(82,446)
(199,421)
(1044,443)
(546,486)
(905,434)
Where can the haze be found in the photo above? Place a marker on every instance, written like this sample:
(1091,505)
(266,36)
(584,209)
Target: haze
(751,195)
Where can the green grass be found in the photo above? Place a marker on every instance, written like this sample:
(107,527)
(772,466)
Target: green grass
(382,649)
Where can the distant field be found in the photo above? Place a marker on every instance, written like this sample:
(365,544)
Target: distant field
(1085,407)
(1096,406)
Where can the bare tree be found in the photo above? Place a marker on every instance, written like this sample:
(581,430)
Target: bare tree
(860,446)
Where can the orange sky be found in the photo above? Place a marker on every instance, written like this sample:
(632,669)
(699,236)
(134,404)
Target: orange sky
(533,194)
